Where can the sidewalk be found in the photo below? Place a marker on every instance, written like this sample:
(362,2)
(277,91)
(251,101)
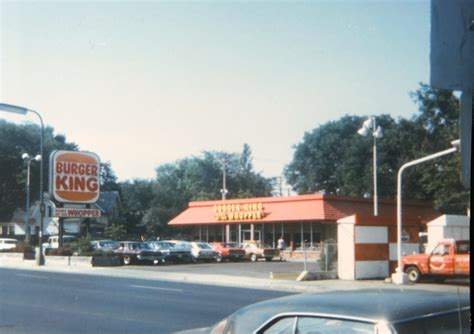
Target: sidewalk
(227,280)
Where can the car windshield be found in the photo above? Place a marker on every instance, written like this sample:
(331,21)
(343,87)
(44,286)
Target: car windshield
(140,246)
(204,245)
(107,243)
(183,246)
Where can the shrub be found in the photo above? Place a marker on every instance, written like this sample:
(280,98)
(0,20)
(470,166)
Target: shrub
(61,251)
(84,247)
(24,247)
(328,255)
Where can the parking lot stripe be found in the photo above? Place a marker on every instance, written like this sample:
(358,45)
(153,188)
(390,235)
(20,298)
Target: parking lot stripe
(155,288)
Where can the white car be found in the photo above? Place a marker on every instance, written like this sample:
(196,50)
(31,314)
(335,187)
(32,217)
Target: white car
(7,243)
(53,242)
(200,251)
(203,251)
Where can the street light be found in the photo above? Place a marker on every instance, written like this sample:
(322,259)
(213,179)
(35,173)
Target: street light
(23,111)
(26,157)
(224,190)
(377,132)
(399,277)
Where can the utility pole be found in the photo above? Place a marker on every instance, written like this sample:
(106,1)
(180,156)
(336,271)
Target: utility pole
(224,190)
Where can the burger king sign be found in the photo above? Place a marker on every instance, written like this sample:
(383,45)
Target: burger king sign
(74,176)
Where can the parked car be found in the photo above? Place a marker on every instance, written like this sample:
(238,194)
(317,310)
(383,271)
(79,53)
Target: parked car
(69,241)
(388,311)
(104,245)
(450,258)
(255,251)
(134,251)
(7,243)
(171,252)
(200,251)
(228,251)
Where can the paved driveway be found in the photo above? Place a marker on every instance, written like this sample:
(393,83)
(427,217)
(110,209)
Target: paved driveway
(259,269)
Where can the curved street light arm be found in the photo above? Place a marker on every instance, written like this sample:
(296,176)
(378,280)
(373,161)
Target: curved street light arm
(399,199)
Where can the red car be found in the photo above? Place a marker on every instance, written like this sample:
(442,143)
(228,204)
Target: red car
(228,251)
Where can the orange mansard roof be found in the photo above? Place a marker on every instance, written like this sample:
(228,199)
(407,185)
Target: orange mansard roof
(315,207)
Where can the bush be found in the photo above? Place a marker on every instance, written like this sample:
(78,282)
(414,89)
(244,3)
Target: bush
(84,247)
(24,247)
(61,251)
(328,255)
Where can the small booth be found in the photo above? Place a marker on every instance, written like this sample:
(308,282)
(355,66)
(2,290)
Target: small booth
(367,245)
(447,227)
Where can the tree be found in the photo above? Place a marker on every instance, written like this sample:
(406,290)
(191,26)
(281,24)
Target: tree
(198,178)
(334,159)
(108,179)
(16,140)
(439,180)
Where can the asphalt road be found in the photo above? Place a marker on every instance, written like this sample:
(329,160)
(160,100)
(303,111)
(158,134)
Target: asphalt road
(52,302)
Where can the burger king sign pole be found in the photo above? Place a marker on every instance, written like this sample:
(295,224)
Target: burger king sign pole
(74,178)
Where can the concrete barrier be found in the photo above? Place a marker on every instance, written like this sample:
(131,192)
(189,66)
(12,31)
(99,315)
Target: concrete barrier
(7,257)
(53,260)
(315,276)
(64,261)
(106,261)
(80,261)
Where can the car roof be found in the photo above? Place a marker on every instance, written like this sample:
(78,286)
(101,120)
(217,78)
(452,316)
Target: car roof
(391,304)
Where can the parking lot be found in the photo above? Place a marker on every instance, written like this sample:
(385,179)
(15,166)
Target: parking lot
(259,269)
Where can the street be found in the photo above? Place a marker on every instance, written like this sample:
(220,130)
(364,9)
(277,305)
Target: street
(46,302)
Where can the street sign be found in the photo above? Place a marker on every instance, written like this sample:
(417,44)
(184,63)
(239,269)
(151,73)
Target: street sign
(76,213)
(74,177)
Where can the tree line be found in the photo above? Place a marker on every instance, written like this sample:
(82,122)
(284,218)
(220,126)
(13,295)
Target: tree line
(331,159)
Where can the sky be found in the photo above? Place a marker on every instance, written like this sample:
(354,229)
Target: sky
(147,83)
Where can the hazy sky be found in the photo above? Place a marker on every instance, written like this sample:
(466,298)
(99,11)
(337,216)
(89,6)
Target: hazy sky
(147,83)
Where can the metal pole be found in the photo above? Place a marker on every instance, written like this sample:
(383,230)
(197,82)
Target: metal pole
(376,211)
(23,111)
(304,253)
(40,258)
(224,189)
(27,216)
(399,200)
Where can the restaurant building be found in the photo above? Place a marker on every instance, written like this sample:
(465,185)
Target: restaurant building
(305,219)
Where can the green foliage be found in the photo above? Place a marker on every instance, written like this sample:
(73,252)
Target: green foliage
(108,179)
(334,159)
(328,258)
(16,140)
(150,205)
(116,231)
(84,246)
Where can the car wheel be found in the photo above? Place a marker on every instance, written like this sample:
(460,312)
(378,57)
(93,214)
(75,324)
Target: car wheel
(127,260)
(413,274)
(219,257)
(253,257)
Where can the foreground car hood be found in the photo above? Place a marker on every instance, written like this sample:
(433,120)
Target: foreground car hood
(203,330)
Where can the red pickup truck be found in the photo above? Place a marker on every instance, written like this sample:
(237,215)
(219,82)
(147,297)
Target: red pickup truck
(450,258)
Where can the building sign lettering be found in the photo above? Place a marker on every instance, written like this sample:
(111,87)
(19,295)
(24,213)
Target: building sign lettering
(74,177)
(246,211)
